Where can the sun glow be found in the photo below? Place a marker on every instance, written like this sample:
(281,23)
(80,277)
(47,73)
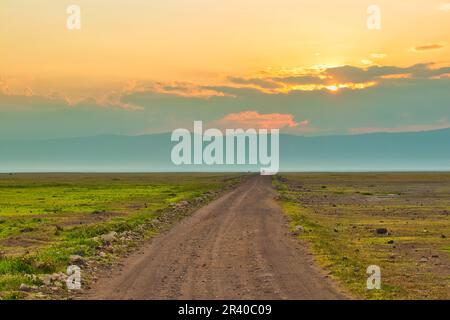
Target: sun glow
(333,88)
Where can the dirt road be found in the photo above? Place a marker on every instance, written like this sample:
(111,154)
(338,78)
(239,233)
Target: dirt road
(237,247)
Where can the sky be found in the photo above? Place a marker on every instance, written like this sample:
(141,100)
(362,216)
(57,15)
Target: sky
(141,67)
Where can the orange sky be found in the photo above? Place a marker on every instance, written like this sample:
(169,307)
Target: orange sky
(205,41)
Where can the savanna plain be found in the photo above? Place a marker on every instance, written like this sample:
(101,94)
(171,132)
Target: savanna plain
(347,221)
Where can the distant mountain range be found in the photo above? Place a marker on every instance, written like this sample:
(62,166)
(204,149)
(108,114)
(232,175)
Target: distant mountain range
(414,151)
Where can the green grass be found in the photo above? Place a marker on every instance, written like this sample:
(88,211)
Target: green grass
(45,218)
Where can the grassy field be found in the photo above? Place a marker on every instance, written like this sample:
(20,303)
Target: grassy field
(338,214)
(46,218)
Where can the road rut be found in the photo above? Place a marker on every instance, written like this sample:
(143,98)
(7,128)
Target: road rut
(236,247)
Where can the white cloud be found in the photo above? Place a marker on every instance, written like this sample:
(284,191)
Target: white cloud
(445,7)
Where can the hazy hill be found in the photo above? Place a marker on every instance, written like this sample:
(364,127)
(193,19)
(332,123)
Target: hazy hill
(380,151)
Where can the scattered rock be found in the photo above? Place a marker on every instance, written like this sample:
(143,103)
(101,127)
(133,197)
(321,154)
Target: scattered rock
(381,231)
(109,249)
(183,204)
(199,200)
(25,288)
(424,259)
(109,237)
(58,277)
(297,230)
(443,236)
(47,280)
(390,242)
(76,259)
(180,205)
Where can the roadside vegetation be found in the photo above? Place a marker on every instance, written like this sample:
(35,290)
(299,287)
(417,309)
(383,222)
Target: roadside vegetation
(398,221)
(49,221)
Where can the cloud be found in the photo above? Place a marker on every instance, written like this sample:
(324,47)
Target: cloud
(20,98)
(444,7)
(349,74)
(377,73)
(332,79)
(258,82)
(442,124)
(426,47)
(253,119)
(398,105)
(4,87)
(186,90)
(366,61)
(328,80)
(392,102)
(300,80)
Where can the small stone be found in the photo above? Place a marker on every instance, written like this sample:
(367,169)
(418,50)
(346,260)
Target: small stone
(76,259)
(381,231)
(24,287)
(183,204)
(109,249)
(55,276)
(109,237)
(424,259)
(443,236)
(390,242)
(297,230)
(198,199)
(47,280)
